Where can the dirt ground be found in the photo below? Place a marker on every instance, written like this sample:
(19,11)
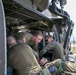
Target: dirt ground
(73,49)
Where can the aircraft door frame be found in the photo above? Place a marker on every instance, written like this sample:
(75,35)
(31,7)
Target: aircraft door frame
(3,52)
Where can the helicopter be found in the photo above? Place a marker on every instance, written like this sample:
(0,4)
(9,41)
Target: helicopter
(33,15)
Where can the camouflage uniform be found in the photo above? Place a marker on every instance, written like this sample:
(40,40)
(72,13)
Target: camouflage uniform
(22,59)
(66,66)
(27,36)
(56,49)
(33,45)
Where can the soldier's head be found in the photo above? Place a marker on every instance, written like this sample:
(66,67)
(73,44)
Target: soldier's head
(48,38)
(23,37)
(20,37)
(37,37)
(11,40)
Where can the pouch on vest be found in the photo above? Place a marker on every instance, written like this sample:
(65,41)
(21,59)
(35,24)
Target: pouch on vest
(46,71)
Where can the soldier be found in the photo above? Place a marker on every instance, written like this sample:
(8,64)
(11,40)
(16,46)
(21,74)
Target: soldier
(23,61)
(63,66)
(24,37)
(34,40)
(30,39)
(11,41)
(21,37)
(55,47)
(17,58)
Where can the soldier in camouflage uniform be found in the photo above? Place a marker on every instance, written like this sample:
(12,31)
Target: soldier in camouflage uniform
(11,41)
(25,37)
(55,47)
(27,52)
(62,66)
(31,40)
(34,40)
(22,59)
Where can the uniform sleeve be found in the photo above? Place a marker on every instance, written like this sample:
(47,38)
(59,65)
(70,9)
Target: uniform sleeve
(36,54)
(49,46)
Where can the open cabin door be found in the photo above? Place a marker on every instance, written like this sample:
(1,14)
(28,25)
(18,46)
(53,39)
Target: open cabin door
(2,41)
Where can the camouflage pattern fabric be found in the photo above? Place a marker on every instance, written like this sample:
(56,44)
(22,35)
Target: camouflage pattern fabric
(21,58)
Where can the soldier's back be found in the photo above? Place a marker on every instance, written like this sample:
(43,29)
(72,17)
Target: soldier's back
(58,51)
(22,59)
